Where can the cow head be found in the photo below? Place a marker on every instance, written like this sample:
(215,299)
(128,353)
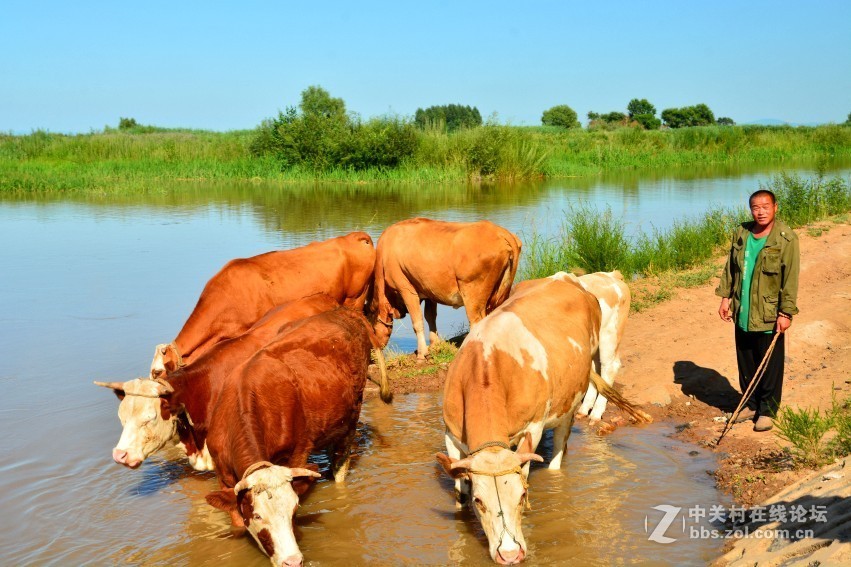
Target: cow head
(266,500)
(146,417)
(167,359)
(499,493)
(381,316)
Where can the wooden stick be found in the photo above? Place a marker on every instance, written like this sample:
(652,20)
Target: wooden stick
(750,389)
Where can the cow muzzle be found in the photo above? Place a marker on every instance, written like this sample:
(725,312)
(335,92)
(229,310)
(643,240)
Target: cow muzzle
(510,557)
(122,457)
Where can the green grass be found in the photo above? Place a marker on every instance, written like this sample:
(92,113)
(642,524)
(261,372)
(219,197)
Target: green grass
(805,429)
(140,159)
(592,241)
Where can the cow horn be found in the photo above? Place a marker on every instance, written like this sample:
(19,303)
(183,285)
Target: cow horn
(165,387)
(111,385)
(297,472)
(240,486)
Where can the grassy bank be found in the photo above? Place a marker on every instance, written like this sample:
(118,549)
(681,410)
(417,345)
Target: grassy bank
(682,256)
(140,160)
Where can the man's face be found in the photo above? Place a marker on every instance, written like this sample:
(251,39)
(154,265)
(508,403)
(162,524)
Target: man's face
(763,210)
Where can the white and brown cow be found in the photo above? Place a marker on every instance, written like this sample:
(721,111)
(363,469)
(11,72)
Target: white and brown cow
(521,370)
(471,264)
(246,288)
(614,297)
(179,406)
(301,393)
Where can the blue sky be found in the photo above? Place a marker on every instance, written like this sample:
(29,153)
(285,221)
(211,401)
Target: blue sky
(78,66)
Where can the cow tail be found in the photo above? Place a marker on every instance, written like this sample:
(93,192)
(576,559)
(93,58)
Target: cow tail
(384,382)
(504,288)
(616,398)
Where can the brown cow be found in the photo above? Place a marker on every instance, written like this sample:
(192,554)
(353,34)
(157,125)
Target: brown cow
(521,370)
(152,412)
(470,264)
(301,393)
(245,289)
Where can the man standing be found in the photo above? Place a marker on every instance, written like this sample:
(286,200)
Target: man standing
(759,288)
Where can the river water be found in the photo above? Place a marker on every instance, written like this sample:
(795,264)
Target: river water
(89,285)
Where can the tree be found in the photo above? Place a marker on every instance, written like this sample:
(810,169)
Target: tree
(450,117)
(848,121)
(697,115)
(637,107)
(127,123)
(725,121)
(316,101)
(648,121)
(560,115)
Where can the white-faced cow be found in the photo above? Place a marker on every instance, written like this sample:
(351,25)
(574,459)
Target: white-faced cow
(470,264)
(301,393)
(614,297)
(244,289)
(521,370)
(179,406)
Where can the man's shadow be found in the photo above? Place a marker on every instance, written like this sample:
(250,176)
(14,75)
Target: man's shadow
(706,385)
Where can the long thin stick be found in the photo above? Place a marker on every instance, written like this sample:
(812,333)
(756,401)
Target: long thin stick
(750,389)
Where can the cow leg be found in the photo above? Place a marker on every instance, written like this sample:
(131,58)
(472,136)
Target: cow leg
(561,433)
(412,304)
(462,487)
(342,456)
(431,319)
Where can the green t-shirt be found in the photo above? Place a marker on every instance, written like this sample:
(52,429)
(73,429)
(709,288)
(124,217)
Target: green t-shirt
(752,249)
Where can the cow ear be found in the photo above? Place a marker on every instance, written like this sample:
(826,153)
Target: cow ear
(222,499)
(119,394)
(165,409)
(446,462)
(302,484)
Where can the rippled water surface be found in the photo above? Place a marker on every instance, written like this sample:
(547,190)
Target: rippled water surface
(89,285)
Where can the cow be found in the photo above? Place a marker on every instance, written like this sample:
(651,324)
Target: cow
(244,289)
(521,370)
(614,297)
(179,406)
(471,264)
(301,393)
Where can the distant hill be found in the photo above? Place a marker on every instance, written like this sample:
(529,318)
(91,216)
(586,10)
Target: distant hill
(778,122)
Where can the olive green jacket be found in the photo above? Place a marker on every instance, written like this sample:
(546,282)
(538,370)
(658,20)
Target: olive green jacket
(774,286)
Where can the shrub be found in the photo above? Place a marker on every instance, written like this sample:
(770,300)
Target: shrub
(595,242)
(560,115)
(638,107)
(805,429)
(127,123)
(697,115)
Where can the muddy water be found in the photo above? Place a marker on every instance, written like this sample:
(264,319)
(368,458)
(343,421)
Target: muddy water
(395,508)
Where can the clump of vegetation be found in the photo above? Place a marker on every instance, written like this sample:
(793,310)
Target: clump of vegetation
(448,118)
(442,352)
(805,429)
(803,201)
(697,115)
(560,115)
(816,437)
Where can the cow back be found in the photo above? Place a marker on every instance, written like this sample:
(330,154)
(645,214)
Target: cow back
(301,392)
(244,289)
(528,361)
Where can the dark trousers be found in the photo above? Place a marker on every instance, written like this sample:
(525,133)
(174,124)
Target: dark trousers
(750,350)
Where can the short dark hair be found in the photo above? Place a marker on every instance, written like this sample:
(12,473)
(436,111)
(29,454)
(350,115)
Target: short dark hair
(762,192)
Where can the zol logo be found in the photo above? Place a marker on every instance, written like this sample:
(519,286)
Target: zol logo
(658,533)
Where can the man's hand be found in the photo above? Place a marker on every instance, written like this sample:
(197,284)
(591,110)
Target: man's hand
(783,323)
(724,310)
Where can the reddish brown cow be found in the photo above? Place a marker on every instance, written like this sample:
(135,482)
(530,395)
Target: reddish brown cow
(301,393)
(470,264)
(152,411)
(245,289)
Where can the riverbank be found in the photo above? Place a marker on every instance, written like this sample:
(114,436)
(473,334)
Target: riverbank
(116,162)
(679,365)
